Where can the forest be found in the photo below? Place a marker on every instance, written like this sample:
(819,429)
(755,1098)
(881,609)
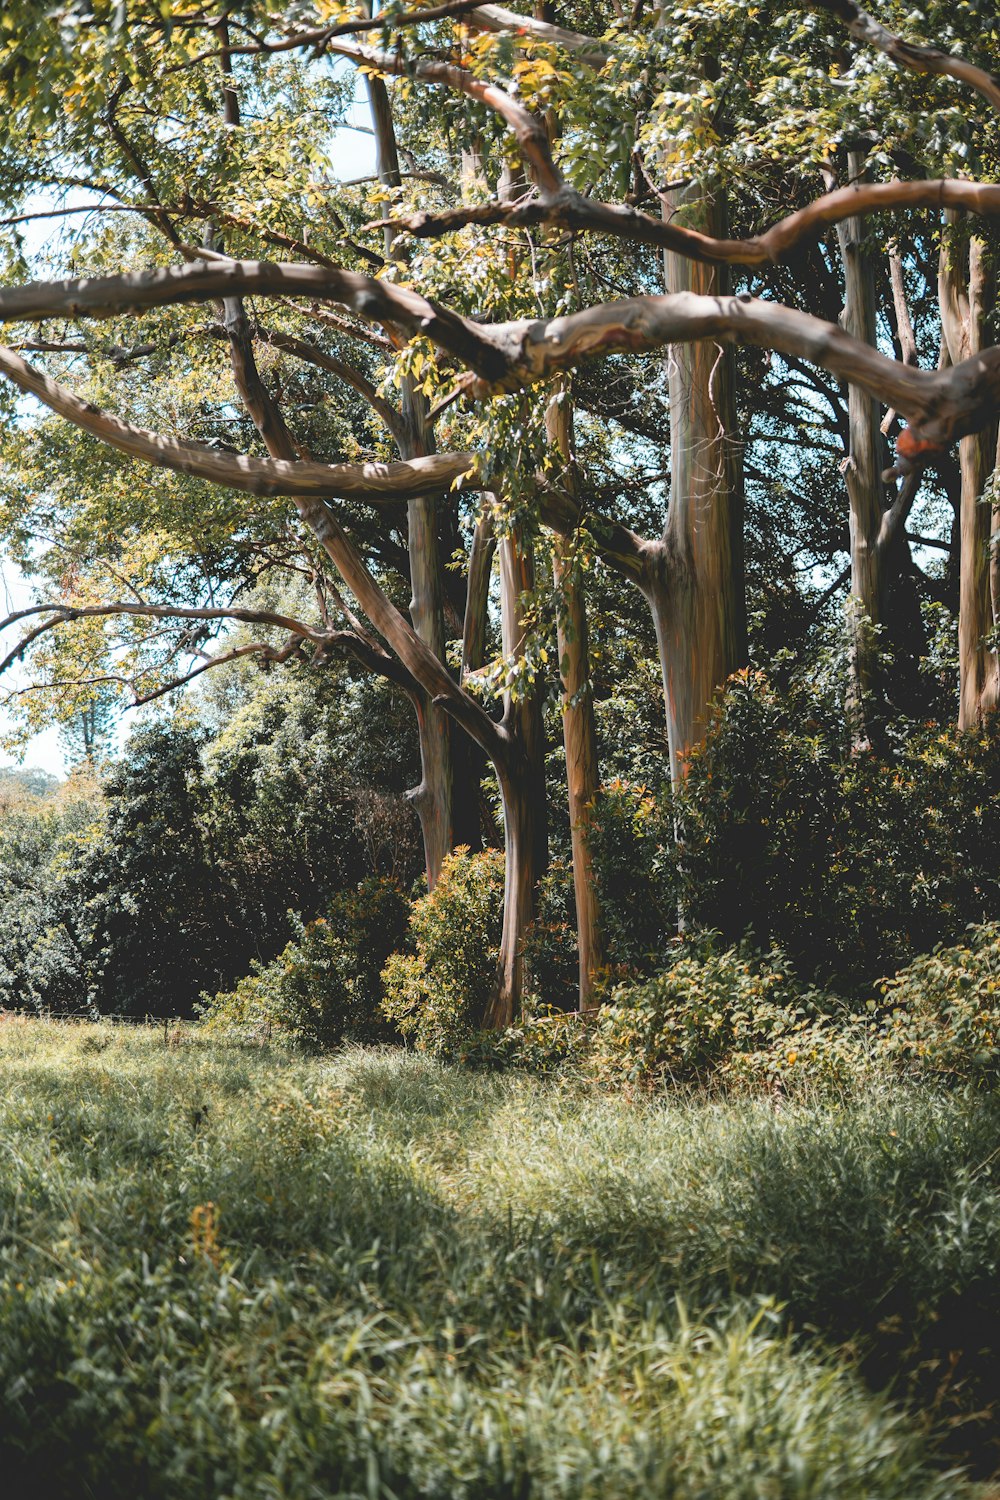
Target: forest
(502,511)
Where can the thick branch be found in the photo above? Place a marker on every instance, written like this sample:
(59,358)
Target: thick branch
(896,516)
(371,483)
(940,406)
(414,654)
(573,211)
(207,280)
(529,132)
(498,18)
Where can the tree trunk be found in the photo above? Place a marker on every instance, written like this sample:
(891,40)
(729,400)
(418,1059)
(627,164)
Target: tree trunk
(865,487)
(693,577)
(579,729)
(522,789)
(433,798)
(965,299)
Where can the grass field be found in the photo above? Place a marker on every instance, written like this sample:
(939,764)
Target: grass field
(237,1272)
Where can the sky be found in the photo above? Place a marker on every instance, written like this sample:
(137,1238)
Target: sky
(353,155)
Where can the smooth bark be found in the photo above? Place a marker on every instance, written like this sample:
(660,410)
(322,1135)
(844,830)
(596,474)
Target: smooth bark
(433,798)
(579,729)
(966,295)
(522,790)
(863,468)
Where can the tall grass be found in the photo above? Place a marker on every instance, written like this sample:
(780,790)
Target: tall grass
(235,1272)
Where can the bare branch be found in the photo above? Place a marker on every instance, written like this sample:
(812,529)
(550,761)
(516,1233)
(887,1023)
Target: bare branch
(303,350)
(318,36)
(254,648)
(575,212)
(371,483)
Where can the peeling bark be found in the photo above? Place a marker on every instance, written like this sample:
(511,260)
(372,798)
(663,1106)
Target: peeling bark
(693,575)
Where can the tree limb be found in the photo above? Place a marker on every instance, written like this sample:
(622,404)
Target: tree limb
(370,483)
(575,212)
(940,405)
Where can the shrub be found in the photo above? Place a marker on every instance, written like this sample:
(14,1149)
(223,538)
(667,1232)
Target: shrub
(325,987)
(720,1017)
(632,840)
(756,816)
(545,1040)
(850,864)
(436,993)
(551,961)
(942,1012)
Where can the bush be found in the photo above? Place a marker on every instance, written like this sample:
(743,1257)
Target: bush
(326,986)
(551,960)
(851,865)
(632,841)
(943,1011)
(436,993)
(721,1017)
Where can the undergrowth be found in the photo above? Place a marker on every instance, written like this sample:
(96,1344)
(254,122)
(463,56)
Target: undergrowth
(237,1272)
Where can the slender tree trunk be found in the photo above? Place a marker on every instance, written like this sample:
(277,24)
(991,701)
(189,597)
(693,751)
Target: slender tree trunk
(522,789)
(966,295)
(433,799)
(579,729)
(865,487)
(693,577)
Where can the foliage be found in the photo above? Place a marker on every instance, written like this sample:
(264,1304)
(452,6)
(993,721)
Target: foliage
(550,947)
(850,864)
(437,991)
(632,843)
(235,1271)
(720,1016)
(304,777)
(178,869)
(44,834)
(151,889)
(941,1014)
(324,988)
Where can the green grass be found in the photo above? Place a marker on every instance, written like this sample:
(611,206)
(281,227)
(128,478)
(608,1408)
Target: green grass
(235,1272)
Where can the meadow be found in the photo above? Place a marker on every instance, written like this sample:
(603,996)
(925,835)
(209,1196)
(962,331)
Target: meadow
(235,1271)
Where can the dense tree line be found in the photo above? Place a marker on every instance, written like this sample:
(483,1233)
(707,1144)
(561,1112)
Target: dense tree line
(139,890)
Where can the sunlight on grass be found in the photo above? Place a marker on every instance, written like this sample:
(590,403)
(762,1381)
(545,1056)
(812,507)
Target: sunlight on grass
(235,1271)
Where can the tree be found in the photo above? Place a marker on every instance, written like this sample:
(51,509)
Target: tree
(147,66)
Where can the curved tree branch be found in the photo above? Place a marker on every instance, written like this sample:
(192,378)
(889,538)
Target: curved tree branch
(371,483)
(573,211)
(940,405)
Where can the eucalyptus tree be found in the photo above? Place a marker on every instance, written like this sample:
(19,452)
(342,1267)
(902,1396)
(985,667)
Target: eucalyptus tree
(119,82)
